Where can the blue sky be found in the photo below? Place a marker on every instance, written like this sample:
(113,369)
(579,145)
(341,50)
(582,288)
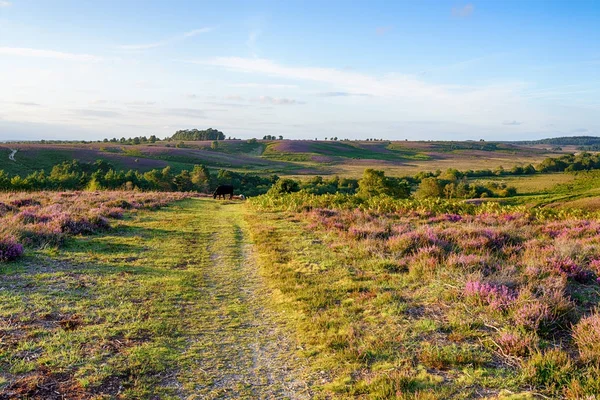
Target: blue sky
(450,70)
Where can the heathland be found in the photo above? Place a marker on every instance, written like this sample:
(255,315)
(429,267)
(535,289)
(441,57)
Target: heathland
(410,270)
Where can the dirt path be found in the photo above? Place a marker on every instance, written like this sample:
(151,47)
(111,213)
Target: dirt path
(11,156)
(241,353)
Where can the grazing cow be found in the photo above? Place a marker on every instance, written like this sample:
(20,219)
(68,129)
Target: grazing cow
(222,190)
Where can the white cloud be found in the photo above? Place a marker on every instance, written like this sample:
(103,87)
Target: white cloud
(164,42)
(38,53)
(464,11)
(5,3)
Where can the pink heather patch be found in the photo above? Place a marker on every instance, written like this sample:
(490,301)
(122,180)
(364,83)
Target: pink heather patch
(514,345)
(532,314)
(497,297)
(569,268)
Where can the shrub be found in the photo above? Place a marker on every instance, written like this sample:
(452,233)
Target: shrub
(586,334)
(9,249)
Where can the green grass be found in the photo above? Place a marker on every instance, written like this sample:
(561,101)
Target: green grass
(167,305)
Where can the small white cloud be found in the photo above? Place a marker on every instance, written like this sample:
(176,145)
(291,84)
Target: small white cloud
(5,3)
(511,123)
(38,53)
(164,42)
(464,11)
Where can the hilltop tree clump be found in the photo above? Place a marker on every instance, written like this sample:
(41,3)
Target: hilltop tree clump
(195,134)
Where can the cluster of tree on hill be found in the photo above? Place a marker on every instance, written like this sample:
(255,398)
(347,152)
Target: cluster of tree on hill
(195,134)
(566,141)
(272,137)
(570,162)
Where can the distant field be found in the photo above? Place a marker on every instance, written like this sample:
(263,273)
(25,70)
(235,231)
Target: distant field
(295,158)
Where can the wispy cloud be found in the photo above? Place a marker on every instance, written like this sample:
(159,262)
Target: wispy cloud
(263,85)
(464,11)
(28,103)
(511,123)
(277,101)
(342,94)
(39,53)
(186,112)
(5,3)
(164,42)
(251,42)
(97,113)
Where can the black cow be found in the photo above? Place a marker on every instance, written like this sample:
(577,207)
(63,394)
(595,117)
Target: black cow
(222,190)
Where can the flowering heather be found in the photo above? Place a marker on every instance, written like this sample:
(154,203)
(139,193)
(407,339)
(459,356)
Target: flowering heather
(586,334)
(532,314)
(9,249)
(46,219)
(497,297)
(514,344)
(446,217)
(466,261)
(569,268)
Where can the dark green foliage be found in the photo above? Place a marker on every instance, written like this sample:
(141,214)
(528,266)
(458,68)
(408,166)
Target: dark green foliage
(318,185)
(195,134)
(375,183)
(452,184)
(567,141)
(570,162)
(284,186)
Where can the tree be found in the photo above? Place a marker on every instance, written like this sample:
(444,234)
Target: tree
(183,181)
(430,187)
(214,145)
(284,186)
(200,178)
(280,137)
(375,183)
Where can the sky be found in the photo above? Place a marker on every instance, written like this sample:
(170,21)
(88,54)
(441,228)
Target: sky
(416,70)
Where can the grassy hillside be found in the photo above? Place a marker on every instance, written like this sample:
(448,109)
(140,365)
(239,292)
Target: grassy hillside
(285,158)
